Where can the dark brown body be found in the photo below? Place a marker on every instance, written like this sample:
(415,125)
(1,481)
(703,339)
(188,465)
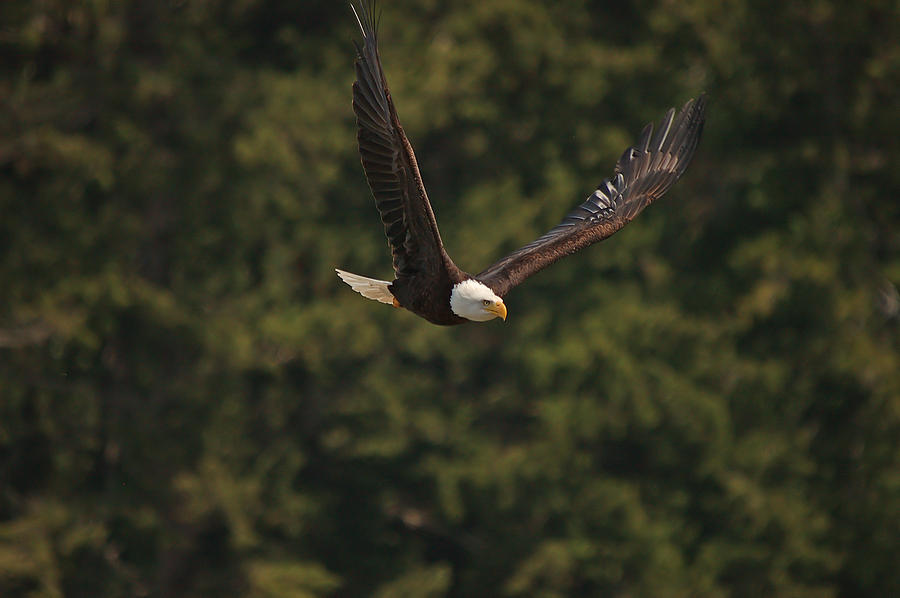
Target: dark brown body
(428,295)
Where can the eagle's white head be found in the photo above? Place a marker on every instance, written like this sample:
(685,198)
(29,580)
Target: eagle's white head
(475,301)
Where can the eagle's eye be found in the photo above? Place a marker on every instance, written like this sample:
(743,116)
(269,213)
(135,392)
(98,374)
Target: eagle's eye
(486,302)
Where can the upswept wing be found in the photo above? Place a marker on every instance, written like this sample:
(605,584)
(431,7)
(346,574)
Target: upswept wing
(389,161)
(643,174)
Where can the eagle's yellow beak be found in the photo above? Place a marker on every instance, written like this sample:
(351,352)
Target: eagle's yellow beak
(498,309)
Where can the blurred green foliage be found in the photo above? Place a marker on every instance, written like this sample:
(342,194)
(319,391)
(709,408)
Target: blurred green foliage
(192,404)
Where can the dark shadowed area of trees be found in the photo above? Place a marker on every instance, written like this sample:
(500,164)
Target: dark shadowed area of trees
(193,404)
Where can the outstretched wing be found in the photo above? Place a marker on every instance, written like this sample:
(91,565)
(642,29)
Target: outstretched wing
(643,173)
(389,161)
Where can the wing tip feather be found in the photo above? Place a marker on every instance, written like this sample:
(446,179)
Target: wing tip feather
(368,22)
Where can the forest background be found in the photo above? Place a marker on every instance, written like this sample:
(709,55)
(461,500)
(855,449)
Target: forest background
(192,404)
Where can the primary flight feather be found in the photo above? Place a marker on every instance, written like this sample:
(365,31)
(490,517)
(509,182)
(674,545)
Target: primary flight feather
(426,281)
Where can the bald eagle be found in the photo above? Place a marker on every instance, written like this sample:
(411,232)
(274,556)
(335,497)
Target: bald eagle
(426,281)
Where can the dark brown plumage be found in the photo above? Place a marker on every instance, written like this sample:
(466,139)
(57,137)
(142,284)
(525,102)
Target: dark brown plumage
(424,274)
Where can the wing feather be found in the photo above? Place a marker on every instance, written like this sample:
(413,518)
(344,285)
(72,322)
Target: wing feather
(389,161)
(643,174)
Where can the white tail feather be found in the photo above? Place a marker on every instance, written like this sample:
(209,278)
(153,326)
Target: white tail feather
(369,288)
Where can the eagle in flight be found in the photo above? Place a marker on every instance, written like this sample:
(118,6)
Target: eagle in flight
(426,281)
